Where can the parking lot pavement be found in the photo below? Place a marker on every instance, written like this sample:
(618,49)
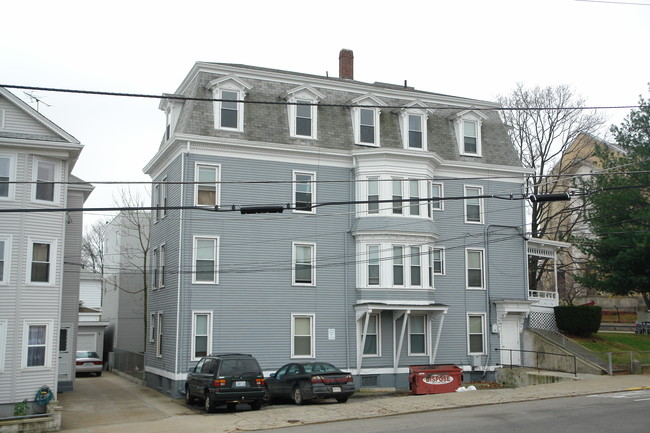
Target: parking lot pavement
(111,403)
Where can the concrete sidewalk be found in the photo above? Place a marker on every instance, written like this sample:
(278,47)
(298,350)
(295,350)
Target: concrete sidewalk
(111,403)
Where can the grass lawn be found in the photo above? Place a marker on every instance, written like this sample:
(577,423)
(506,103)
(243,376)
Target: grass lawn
(604,342)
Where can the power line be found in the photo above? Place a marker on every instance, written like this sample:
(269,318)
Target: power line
(319,104)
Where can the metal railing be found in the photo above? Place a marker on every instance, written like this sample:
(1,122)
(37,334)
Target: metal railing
(628,362)
(540,362)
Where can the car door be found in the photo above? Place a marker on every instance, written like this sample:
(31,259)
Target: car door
(192,381)
(293,375)
(274,382)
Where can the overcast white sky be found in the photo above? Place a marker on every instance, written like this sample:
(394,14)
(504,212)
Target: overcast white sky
(474,49)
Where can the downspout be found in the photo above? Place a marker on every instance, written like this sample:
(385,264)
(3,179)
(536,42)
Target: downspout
(180,256)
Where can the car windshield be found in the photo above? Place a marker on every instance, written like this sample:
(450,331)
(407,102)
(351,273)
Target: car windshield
(238,367)
(320,367)
(87,355)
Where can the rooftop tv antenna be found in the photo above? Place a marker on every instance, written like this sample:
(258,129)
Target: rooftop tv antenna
(33,98)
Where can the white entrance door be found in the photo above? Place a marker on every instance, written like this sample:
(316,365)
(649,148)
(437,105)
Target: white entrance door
(510,340)
(65,357)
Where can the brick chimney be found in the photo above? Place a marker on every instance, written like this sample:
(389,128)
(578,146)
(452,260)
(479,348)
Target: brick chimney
(346,64)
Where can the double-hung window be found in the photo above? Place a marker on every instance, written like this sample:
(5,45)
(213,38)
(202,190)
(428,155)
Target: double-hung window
(303,264)
(41,261)
(414,196)
(160,199)
(415,131)
(37,344)
(303,118)
(161,272)
(476,334)
(302,335)
(371,345)
(373,195)
(373,265)
(156,268)
(436,195)
(438,258)
(201,334)
(152,327)
(398,265)
(6,175)
(229,91)
(205,260)
(45,176)
(229,109)
(304,193)
(475,273)
(473,204)
(5,248)
(367,126)
(207,185)
(470,137)
(159,335)
(417,335)
(398,196)
(416,266)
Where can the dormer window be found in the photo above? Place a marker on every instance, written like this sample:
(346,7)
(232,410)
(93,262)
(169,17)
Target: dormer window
(228,110)
(413,123)
(171,105)
(365,120)
(303,111)
(467,125)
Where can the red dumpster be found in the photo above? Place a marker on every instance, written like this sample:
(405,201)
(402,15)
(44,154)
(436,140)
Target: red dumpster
(434,379)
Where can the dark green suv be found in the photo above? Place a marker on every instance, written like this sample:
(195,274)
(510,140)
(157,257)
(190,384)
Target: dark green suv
(226,379)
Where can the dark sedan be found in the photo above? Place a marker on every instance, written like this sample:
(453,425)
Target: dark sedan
(302,382)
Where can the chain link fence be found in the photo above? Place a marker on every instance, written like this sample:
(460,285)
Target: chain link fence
(130,363)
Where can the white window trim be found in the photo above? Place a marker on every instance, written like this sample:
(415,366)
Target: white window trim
(481,204)
(6,276)
(483,261)
(163,190)
(209,335)
(159,334)
(422,265)
(385,190)
(216,259)
(2,118)
(483,333)
(367,264)
(53,261)
(55,193)
(356,113)
(12,176)
(49,333)
(441,202)
(161,265)
(442,258)
(405,127)
(294,244)
(4,324)
(426,335)
(386,268)
(293,117)
(155,269)
(469,116)
(229,83)
(217,183)
(313,190)
(152,327)
(312,322)
(377,317)
(403,264)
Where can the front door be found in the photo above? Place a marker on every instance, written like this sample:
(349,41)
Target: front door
(510,341)
(65,356)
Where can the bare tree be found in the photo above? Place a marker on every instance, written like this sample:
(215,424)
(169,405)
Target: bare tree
(545,127)
(92,247)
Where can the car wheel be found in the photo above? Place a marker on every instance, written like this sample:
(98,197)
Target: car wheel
(256,405)
(210,405)
(188,397)
(298,397)
(342,399)
(231,407)
(99,373)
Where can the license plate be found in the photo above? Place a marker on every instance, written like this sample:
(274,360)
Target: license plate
(336,389)
(240,383)
(89,363)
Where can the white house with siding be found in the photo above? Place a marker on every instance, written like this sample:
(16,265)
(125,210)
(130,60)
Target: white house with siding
(39,252)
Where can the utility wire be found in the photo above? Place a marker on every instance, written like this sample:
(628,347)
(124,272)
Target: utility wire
(320,104)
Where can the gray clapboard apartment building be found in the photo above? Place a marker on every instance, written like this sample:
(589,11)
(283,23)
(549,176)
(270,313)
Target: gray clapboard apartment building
(376,261)
(39,253)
